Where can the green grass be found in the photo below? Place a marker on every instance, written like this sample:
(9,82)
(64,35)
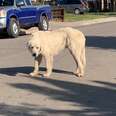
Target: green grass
(87,16)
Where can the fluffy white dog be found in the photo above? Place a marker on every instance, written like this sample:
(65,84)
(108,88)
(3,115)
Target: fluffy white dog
(49,43)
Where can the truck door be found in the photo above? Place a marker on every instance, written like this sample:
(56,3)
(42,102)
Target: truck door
(27,13)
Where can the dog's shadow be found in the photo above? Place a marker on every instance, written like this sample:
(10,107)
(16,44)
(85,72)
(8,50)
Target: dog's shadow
(13,71)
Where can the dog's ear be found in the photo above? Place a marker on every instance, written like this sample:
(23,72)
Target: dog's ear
(40,49)
(28,45)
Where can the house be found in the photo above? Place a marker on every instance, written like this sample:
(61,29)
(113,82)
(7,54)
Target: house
(102,5)
(94,5)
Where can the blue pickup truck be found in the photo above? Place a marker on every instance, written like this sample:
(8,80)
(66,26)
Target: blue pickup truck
(16,14)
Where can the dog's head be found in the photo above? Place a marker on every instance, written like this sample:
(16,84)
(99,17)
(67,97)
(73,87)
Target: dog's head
(34,47)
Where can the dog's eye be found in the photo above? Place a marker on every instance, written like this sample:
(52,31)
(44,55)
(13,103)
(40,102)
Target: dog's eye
(31,47)
(37,47)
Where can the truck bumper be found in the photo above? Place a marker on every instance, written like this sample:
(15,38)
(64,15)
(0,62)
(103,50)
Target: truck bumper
(2,22)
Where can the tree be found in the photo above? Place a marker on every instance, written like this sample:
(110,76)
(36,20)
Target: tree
(113,5)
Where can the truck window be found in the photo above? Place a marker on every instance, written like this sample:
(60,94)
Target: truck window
(6,2)
(28,2)
(20,1)
(74,1)
(69,2)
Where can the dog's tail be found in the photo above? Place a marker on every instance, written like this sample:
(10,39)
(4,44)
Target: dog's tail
(30,31)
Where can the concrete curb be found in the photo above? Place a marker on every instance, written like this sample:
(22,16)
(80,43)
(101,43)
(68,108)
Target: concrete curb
(81,23)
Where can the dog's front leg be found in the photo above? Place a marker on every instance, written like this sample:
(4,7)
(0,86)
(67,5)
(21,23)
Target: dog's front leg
(37,62)
(49,65)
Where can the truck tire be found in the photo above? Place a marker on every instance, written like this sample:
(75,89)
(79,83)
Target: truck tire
(13,29)
(43,24)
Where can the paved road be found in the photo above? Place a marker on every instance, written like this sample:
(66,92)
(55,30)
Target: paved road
(62,94)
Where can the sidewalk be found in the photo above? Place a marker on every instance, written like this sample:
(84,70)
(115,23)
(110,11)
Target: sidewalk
(54,25)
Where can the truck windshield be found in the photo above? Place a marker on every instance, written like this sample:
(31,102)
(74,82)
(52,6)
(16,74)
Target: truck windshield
(6,2)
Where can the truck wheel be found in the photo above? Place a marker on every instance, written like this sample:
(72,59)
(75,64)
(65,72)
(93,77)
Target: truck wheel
(44,24)
(13,29)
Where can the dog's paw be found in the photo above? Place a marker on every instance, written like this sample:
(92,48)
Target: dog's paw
(46,75)
(78,74)
(34,74)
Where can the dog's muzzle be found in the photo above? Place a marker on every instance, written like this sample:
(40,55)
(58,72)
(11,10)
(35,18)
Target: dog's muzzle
(34,55)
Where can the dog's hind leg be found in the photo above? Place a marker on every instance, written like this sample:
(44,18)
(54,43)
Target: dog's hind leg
(83,58)
(49,65)
(77,57)
(37,62)
(80,69)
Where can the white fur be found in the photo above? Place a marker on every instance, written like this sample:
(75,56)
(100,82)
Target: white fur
(50,43)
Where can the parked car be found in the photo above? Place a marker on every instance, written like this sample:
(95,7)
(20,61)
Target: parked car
(16,14)
(74,6)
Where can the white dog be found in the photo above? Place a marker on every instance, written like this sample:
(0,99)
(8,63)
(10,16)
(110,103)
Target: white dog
(50,43)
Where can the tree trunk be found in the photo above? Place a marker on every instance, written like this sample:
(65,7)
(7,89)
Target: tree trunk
(102,5)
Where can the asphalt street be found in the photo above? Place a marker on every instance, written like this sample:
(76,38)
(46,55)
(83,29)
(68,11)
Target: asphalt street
(63,94)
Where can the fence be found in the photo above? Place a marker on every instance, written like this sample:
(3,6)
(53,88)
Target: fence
(58,14)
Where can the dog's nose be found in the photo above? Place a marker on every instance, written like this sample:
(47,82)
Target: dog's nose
(34,55)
